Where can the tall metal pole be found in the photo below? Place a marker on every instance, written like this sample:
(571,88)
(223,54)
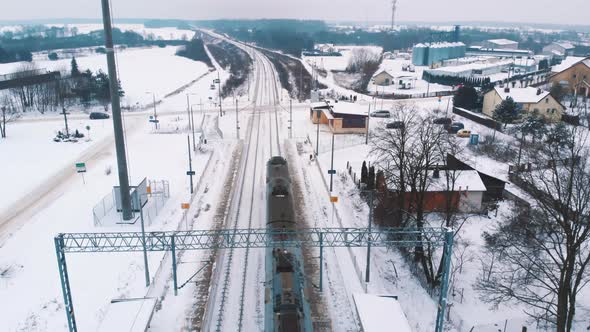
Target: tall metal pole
(442,300)
(66,121)
(321,261)
(332,164)
(219,90)
(190,163)
(155,114)
(144,244)
(368,122)
(317,141)
(368,269)
(193,128)
(116,107)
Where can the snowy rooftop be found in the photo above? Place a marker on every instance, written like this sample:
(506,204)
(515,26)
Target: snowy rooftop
(522,95)
(472,66)
(128,315)
(569,62)
(343,107)
(502,41)
(380,313)
(465,181)
(566,45)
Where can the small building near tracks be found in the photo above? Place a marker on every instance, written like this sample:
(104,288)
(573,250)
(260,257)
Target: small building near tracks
(341,117)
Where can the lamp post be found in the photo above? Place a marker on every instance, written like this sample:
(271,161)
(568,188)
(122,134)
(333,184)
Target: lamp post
(317,141)
(191,119)
(155,114)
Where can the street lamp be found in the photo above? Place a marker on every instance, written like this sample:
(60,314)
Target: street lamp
(155,114)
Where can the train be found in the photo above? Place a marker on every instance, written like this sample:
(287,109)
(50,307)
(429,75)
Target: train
(287,307)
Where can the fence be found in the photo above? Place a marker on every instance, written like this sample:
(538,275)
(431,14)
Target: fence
(415,95)
(490,123)
(104,213)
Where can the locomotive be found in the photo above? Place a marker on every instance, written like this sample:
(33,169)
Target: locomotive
(286,306)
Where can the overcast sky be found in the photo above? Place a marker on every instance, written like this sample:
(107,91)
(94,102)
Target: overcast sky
(526,11)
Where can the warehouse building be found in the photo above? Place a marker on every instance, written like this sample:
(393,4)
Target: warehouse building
(500,44)
(430,53)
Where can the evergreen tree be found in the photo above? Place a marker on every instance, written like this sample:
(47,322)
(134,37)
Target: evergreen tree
(466,97)
(364,173)
(533,125)
(371,178)
(75,71)
(506,112)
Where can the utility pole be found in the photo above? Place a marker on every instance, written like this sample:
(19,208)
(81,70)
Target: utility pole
(219,90)
(193,129)
(190,172)
(332,171)
(155,114)
(368,122)
(116,107)
(66,121)
(368,269)
(188,112)
(237,120)
(317,141)
(393,8)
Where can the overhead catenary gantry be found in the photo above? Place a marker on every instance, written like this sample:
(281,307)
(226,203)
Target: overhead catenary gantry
(252,238)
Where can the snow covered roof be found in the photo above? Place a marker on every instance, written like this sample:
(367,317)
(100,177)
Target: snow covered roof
(343,107)
(380,313)
(384,71)
(565,45)
(464,181)
(320,104)
(472,66)
(522,95)
(569,62)
(502,41)
(133,315)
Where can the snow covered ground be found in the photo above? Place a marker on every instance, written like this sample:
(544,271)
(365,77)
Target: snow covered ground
(142,70)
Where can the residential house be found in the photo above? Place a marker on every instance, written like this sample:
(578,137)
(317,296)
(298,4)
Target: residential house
(464,195)
(573,74)
(383,78)
(530,100)
(341,117)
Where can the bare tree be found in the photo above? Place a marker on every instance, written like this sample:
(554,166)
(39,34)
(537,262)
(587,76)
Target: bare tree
(542,256)
(8,113)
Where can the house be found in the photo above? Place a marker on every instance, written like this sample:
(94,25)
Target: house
(573,74)
(530,100)
(559,50)
(494,186)
(383,78)
(465,195)
(341,117)
(502,44)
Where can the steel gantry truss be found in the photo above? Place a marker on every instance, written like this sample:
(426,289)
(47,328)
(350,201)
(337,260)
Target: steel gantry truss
(252,238)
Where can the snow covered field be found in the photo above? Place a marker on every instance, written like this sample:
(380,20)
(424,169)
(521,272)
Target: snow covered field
(143,70)
(156,33)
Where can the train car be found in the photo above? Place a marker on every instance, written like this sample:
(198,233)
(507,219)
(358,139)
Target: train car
(286,306)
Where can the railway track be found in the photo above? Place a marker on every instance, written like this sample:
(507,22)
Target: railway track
(228,310)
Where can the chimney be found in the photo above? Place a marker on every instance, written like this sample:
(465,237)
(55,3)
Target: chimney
(539,91)
(507,89)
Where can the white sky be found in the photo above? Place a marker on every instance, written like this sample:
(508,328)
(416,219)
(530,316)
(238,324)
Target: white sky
(526,11)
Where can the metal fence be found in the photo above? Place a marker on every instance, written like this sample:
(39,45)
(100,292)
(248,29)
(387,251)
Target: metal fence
(105,214)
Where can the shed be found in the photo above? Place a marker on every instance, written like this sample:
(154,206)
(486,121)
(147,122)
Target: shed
(380,313)
(341,117)
(383,78)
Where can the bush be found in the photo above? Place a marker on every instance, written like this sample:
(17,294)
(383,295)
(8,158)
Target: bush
(52,56)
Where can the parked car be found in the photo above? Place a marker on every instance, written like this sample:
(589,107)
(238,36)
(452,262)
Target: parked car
(395,125)
(442,121)
(380,114)
(98,116)
(456,126)
(464,133)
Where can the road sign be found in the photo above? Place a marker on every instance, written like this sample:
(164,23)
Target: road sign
(333,199)
(191,173)
(81,167)
(331,171)
(185,206)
